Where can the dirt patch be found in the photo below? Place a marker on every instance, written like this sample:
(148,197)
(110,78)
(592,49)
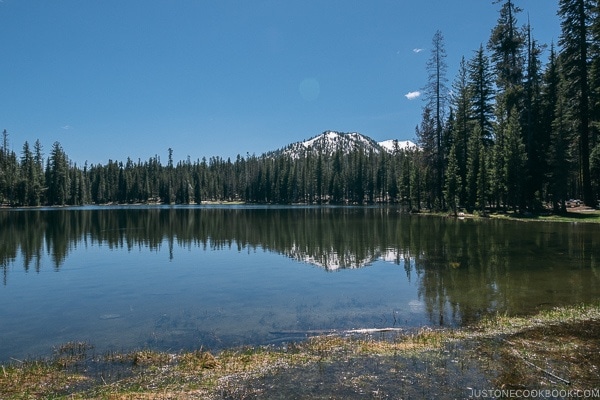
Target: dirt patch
(565,356)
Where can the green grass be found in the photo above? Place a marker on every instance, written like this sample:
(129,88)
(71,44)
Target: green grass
(592,216)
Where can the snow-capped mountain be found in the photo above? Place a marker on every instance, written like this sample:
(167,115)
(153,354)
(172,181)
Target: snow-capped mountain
(330,141)
(394,145)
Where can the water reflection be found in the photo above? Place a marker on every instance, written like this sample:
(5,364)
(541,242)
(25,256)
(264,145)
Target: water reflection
(463,268)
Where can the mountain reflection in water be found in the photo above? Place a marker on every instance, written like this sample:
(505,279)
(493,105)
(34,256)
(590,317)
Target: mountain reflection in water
(459,269)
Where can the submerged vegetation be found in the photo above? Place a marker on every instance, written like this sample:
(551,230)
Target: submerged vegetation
(556,350)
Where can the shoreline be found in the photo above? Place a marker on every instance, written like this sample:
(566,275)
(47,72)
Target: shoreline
(557,349)
(577,214)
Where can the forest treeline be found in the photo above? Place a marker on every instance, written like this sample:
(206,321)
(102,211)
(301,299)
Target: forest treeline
(511,131)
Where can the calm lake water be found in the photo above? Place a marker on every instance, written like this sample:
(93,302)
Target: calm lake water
(174,278)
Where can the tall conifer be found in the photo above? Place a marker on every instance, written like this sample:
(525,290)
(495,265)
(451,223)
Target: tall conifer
(576,17)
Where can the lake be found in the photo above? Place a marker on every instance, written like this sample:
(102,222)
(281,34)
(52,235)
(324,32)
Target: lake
(179,278)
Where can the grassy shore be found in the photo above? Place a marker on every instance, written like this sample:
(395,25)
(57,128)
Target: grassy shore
(572,215)
(580,214)
(558,349)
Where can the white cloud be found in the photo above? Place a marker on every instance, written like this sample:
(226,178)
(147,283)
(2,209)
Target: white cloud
(417,50)
(412,95)
(66,127)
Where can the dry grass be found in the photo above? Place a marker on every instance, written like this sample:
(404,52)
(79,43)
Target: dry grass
(563,341)
(559,355)
(35,379)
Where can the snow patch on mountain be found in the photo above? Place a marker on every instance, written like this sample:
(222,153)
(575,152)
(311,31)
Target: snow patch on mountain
(393,145)
(331,141)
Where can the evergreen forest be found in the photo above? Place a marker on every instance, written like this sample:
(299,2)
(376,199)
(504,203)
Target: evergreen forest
(516,129)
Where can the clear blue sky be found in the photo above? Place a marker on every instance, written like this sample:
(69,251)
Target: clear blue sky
(110,79)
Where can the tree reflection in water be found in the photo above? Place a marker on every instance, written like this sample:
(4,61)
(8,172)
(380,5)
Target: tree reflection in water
(465,268)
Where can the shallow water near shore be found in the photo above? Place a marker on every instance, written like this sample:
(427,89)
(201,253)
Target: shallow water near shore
(180,278)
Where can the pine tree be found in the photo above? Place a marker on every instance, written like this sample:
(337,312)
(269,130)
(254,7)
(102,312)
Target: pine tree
(482,181)
(595,169)
(515,158)
(595,76)
(497,167)
(9,172)
(506,44)
(26,185)
(535,138)
(481,89)
(549,104)
(576,16)
(461,125)
(559,155)
(76,190)
(437,97)
(417,180)
(38,183)
(58,176)
(473,169)
(3,167)
(405,188)
(426,136)
(453,181)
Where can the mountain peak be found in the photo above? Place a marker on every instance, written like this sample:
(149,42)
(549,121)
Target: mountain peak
(329,138)
(393,145)
(329,142)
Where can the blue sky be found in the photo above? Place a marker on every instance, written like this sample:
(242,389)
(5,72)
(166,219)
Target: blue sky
(113,79)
